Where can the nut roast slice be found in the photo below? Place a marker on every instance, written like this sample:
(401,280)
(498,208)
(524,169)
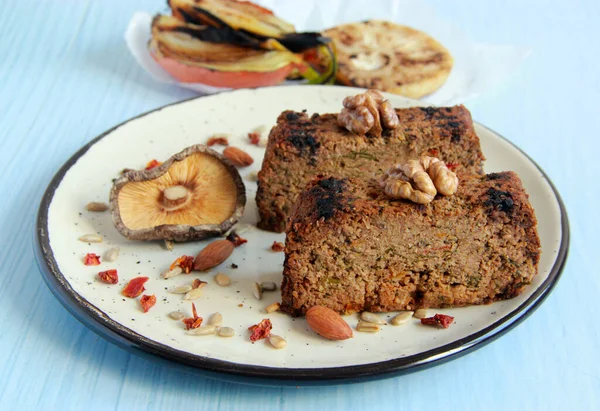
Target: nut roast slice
(302,147)
(351,248)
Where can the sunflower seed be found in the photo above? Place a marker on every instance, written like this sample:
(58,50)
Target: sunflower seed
(257,290)
(168,244)
(277,341)
(242,228)
(273,307)
(216,319)
(222,279)
(193,294)
(260,129)
(401,318)
(226,332)
(420,313)
(182,289)
(112,254)
(177,315)
(268,286)
(91,238)
(97,207)
(367,327)
(206,330)
(371,318)
(172,273)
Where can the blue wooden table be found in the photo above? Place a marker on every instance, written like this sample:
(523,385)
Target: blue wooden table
(66,76)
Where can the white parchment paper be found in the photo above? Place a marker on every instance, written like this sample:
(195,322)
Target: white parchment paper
(478,68)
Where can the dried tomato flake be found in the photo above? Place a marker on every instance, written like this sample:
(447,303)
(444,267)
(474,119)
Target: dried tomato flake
(109,276)
(186,263)
(147,302)
(194,321)
(134,287)
(439,320)
(260,330)
(221,141)
(91,259)
(236,239)
(152,164)
(254,138)
(198,283)
(452,166)
(277,246)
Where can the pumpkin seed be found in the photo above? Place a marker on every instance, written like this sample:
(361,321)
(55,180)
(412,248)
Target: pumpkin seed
(216,319)
(371,318)
(96,207)
(91,238)
(193,294)
(226,332)
(177,315)
(420,313)
(367,327)
(182,289)
(222,279)
(273,307)
(112,254)
(268,286)
(172,273)
(277,342)
(402,318)
(206,330)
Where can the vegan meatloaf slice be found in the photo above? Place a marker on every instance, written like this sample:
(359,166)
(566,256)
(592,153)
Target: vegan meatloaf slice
(350,248)
(302,147)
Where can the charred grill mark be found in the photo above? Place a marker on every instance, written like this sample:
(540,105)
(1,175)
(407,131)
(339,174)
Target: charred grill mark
(329,197)
(499,200)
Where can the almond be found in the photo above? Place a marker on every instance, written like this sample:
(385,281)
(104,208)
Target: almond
(213,254)
(327,323)
(238,157)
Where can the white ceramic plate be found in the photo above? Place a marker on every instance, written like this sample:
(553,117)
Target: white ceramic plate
(159,134)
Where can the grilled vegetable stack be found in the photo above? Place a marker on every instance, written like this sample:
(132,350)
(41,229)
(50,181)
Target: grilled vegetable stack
(237,44)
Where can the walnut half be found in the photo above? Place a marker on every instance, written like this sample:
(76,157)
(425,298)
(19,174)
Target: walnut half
(368,113)
(419,180)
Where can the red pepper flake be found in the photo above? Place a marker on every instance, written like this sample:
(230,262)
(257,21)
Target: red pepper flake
(91,259)
(277,246)
(452,166)
(194,321)
(236,239)
(254,138)
(197,283)
(147,302)
(221,141)
(439,320)
(134,287)
(152,164)
(260,330)
(434,152)
(109,276)
(186,263)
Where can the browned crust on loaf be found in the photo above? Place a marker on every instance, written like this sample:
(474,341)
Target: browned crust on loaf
(351,249)
(301,147)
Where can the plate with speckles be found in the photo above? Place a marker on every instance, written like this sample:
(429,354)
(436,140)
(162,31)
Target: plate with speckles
(307,358)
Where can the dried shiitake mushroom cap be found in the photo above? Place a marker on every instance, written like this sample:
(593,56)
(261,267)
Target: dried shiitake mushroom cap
(193,195)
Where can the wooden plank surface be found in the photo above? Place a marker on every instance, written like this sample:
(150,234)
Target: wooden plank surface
(66,76)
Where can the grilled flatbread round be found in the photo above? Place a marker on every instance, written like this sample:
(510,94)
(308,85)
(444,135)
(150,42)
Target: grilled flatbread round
(386,56)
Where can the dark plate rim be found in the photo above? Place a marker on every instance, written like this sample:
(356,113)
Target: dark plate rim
(97,321)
